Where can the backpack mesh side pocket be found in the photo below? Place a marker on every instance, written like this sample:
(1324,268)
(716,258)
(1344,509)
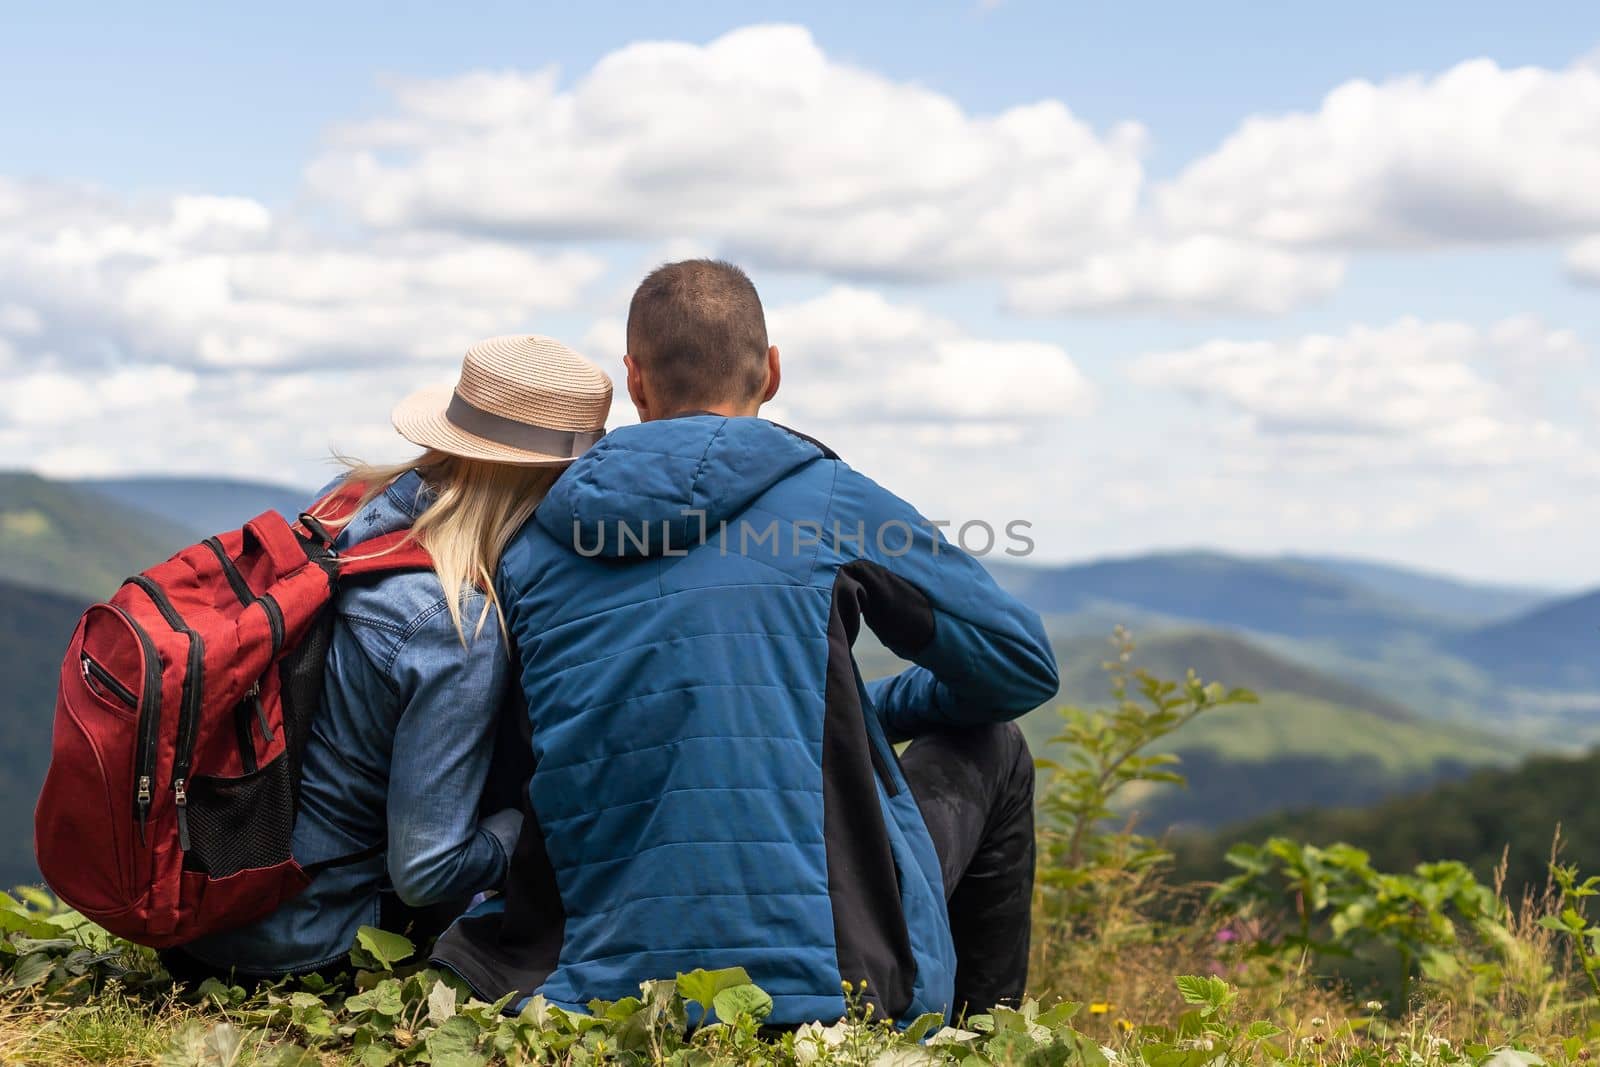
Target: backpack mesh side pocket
(240,824)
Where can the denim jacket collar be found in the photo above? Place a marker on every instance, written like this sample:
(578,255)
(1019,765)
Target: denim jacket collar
(396,508)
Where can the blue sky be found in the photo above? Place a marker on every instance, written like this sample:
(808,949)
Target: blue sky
(1265,319)
(192,95)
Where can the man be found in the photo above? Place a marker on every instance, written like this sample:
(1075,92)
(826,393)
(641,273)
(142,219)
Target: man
(715,785)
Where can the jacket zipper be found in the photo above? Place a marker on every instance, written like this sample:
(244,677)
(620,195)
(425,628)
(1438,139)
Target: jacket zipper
(876,742)
(149,724)
(193,690)
(246,595)
(106,683)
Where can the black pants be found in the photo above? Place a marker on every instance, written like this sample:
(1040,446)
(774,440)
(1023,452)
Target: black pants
(975,790)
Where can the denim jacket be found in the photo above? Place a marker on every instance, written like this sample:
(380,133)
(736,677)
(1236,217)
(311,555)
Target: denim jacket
(398,754)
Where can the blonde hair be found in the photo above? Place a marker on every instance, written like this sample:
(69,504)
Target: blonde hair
(477,506)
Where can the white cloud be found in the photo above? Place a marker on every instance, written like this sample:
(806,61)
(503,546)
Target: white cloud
(1583,261)
(1190,275)
(19,320)
(1409,394)
(854,362)
(276,425)
(210,281)
(1478,153)
(63,398)
(1525,342)
(851,356)
(758,142)
(203,334)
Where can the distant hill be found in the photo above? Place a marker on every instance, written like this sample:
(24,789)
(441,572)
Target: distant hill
(1313,739)
(34,628)
(1556,646)
(54,535)
(1498,657)
(1493,813)
(1437,594)
(1294,752)
(1295,599)
(202,506)
(1214,655)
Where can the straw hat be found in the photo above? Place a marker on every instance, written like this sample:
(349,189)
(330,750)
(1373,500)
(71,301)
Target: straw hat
(525,400)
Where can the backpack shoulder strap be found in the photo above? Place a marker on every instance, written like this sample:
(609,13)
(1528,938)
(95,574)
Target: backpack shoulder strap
(384,554)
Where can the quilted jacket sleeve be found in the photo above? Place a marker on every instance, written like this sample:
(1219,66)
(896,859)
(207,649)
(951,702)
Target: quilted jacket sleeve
(981,655)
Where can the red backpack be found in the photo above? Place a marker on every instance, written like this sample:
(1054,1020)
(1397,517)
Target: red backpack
(181,720)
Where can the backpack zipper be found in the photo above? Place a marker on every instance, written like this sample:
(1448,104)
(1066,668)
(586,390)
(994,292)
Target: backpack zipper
(274,619)
(269,608)
(106,683)
(242,723)
(149,724)
(246,595)
(193,690)
(254,696)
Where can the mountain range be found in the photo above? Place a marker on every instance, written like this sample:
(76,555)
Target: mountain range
(1375,680)
(34,628)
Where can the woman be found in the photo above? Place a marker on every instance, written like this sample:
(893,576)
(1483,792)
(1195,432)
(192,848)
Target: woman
(417,670)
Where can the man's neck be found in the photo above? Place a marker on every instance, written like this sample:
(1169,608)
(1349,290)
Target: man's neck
(730,411)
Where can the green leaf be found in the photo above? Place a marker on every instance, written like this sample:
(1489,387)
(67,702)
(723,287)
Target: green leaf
(739,1000)
(294,1056)
(1513,1057)
(384,998)
(376,1055)
(701,986)
(188,1046)
(32,970)
(388,949)
(1059,1015)
(441,1004)
(1194,990)
(540,1013)
(26,945)
(923,1025)
(37,897)
(455,1044)
(1261,1031)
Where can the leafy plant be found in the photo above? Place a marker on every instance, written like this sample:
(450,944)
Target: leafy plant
(1583,937)
(1341,904)
(1094,869)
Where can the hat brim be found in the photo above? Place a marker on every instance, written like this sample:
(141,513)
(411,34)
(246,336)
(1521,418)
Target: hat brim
(420,419)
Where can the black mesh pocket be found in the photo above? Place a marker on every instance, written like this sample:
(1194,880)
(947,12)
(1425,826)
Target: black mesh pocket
(238,824)
(300,672)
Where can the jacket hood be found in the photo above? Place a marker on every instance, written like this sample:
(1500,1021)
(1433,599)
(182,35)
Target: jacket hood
(661,486)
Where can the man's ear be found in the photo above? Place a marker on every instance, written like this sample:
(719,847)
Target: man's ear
(774,374)
(636,388)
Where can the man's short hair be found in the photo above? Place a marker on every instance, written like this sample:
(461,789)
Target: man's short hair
(697,329)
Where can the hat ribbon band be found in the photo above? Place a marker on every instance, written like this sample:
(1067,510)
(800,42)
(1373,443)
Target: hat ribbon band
(463,415)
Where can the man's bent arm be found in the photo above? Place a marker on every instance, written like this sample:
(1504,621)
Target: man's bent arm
(981,654)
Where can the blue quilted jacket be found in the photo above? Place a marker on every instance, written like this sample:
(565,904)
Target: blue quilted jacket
(715,785)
